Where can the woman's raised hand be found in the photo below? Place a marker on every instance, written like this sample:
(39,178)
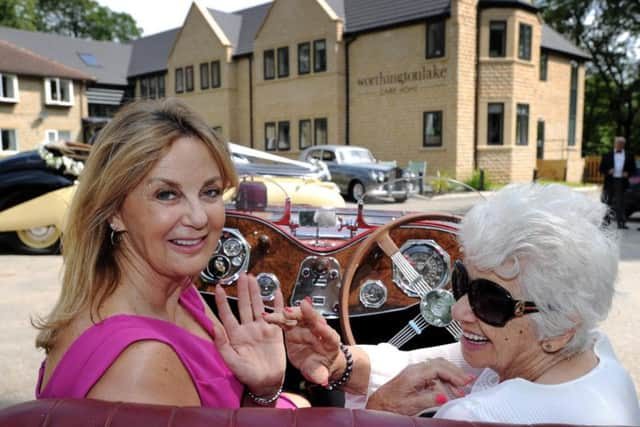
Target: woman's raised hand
(252,348)
(312,345)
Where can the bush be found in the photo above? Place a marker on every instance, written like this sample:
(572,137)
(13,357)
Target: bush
(474,181)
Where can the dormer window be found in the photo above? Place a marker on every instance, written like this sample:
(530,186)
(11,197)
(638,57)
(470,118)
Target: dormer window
(58,91)
(8,88)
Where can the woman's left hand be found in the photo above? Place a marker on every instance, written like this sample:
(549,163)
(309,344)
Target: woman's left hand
(251,348)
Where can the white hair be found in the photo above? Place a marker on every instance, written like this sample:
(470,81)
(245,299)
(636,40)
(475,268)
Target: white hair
(553,240)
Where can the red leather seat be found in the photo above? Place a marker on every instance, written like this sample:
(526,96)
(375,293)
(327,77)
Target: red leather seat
(96,413)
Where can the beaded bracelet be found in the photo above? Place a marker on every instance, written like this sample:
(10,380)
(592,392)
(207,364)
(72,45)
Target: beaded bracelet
(347,372)
(263,401)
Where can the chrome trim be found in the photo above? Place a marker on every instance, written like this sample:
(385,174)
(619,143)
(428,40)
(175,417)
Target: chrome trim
(274,279)
(362,294)
(206,274)
(397,276)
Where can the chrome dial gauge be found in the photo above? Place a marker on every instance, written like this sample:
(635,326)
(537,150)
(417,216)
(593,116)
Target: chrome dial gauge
(429,260)
(436,306)
(232,247)
(268,284)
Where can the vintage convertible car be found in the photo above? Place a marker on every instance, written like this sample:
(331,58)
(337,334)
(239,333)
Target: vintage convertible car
(36,188)
(375,275)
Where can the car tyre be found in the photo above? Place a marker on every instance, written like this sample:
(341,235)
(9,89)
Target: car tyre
(356,190)
(35,241)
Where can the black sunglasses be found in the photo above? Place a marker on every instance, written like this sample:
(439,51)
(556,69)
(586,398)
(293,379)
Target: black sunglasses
(489,301)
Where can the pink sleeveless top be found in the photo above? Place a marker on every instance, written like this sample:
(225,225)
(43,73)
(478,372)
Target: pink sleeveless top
(91,354)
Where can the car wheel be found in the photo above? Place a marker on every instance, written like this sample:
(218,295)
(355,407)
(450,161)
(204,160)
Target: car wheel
(36,241)
(400,199)
(356,191)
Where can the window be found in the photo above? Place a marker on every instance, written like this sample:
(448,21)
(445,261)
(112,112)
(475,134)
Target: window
(495,123)
(269,65)
(204,75)
(88,59)
(319,55)
(8,88)
(284,142)
(522,124)
(432,125)
(215,74)
(544,65)
(161,92)
(304,58)
(573,103)
(58,91)
(270,136)
(540,140)
(304,134)
(524,42)
(320,136)
(144,88)
(179,80)
(497,38)
(188,78)
(8,141)
(153,87)
(283,62)
(54,135)
(435,39)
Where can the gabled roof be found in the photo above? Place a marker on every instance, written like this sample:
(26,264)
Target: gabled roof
(363,15)
(552,40)
(17,60)
(241,26)
(150,54)
(112,58)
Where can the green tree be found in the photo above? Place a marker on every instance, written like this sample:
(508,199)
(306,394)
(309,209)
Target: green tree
(76,18)
(609,30)
(86,19)
(20,14)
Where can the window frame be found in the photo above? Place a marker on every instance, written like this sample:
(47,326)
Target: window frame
(282,55)
(161,87)
(153,87)
(144,87)
(317,128)
(441,24)
(544,66)
(204,75)
(48,91)
(309,142)
(282,124)
(319,68)
(188,78)
(308,62)
(268,125)
(573,104)
(179,80)
(14,85)
(525,35)
(489,113)
(425,121)
(522,138)
(503,52)
(15,141)
(266,55)
(216,76)
(56,133)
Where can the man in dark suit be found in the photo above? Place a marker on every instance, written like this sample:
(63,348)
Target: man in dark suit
(617,166)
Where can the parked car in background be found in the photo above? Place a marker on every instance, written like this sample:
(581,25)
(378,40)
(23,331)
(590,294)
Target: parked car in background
(632,195)
(37,186)
(357,172)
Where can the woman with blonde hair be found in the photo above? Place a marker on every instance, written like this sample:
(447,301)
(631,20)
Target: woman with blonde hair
(129,325)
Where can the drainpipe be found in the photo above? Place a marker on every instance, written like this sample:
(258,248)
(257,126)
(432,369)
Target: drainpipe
(477,91)
(347,41)
(251,101)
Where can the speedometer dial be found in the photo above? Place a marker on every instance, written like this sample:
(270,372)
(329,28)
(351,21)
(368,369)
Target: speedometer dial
(429,260)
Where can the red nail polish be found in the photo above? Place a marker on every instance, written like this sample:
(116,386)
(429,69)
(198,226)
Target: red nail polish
(288,309)
(264,313)
(307,299)
(441,399)
(471,379)
(458,392)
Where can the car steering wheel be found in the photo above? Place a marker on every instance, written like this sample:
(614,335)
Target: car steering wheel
(435,304)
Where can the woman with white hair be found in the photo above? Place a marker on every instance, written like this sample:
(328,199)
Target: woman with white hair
(537,277)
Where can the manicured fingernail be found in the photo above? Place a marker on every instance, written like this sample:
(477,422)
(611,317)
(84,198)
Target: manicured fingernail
(264,313)
(308,299)
(458,392)
(441,399)
(288,309)
(470,379)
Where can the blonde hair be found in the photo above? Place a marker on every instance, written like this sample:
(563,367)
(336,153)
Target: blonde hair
(124,153)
